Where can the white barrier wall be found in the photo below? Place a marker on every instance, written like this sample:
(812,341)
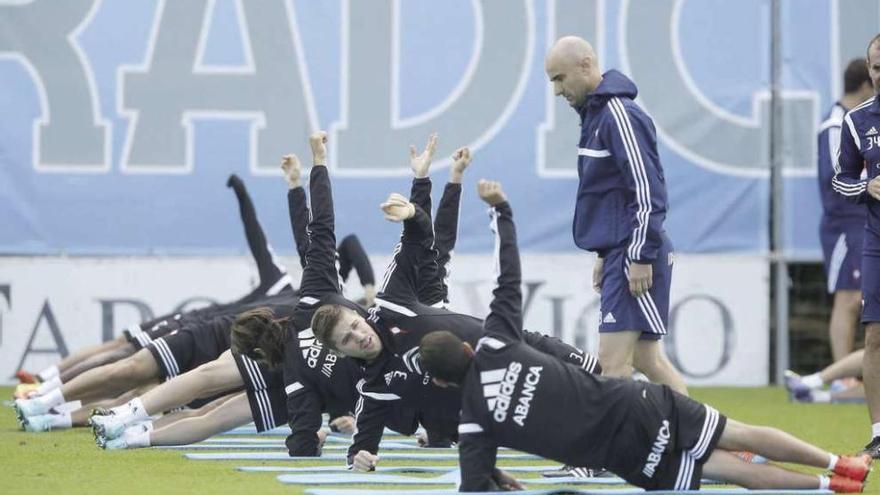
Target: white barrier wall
(718,323)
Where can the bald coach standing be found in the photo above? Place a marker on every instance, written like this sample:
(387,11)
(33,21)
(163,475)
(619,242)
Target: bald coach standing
(619,214)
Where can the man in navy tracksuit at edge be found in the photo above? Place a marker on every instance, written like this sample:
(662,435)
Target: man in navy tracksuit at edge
(621,205)
(860,152)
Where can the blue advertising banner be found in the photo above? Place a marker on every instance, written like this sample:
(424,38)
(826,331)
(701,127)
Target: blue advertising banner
(120,119)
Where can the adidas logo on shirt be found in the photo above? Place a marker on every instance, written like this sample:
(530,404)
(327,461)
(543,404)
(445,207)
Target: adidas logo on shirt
(871,132)
(491,381)
(310,347)
(609,318)
(499,386)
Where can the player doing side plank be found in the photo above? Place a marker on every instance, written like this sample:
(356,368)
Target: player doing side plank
(651,436)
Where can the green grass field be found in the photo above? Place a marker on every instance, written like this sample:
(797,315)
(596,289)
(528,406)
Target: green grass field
(69,462)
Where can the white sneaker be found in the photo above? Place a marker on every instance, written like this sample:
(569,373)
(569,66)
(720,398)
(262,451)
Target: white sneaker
(42,422)
(25,408)
(109,427)
(111,444)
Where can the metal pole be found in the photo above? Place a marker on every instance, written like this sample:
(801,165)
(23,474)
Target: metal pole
(777,161)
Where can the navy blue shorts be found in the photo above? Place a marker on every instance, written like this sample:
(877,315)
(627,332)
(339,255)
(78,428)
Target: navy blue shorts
(842,250)
(621,311)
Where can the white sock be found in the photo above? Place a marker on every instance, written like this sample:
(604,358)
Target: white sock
(823,396)
(875,430)
(137,410)
(147,425)
(52,398)
(120,410)
(49,385)
(137,439)
(48,373)
(824,482)
(61,421)
(68,407)
(813,381)
(832,461)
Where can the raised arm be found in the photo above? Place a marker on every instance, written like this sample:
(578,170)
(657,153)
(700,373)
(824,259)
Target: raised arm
(400,282)
(433,287)
(320,275)
(297,206)
(505,310)
(270,270)
(849,164)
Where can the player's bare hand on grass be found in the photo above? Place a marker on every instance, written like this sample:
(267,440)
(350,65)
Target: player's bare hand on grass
(491,192)
(460,161)
(343,424)
(292,171)
(507,482)
(318,143)
(365,461)
(397,208)
(598,269)
(322,437)
(641,277)
(874,188)
(421,163)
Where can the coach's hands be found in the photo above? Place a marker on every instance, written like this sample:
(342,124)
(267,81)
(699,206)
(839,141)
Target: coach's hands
(292,171)
(365,461)
(491,192)
(507,482)
(874,188)
(460,161)
(318,142)
(343,424)
(598,269)
(641,277)
(421,164)
(397,208)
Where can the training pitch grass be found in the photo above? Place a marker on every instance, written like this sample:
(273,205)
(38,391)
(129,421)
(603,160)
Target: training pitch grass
(68,462)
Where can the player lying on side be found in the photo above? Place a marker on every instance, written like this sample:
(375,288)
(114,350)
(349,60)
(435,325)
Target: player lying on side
(273,278)
(214,377)
(842,376)
(188,341)
(654,438)
(386,342)
(123,427)
(272,275)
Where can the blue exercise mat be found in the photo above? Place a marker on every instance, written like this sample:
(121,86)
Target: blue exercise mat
(282,456)
(281,446)
(281,431)
(449,478)
(384,469)
(277,441)
(578,491)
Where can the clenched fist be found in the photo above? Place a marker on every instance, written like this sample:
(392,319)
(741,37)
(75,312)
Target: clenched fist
(491,192)
(318,142)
